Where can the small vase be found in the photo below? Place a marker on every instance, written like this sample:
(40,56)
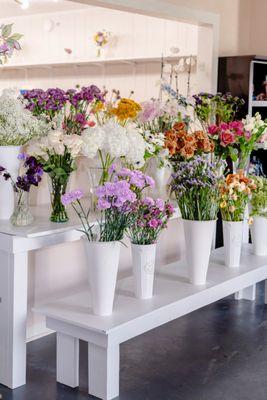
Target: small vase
(9,160)
(259,235)
(97,176)
(143,257)
(198,243)
(232,239)
(58,187)
(103,262)
(21,215)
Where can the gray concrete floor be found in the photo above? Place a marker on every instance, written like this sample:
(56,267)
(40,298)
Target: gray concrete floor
(216,353)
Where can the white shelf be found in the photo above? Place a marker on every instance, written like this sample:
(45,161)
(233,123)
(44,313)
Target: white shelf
(96,61)
(257,103)
(173,297)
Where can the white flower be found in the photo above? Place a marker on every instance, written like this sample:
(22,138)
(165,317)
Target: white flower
(116,140)
(136,148)
(17,125)
(74,144)
(93,140)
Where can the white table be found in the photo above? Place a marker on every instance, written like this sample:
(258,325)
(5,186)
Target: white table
(71,317)
(15,243)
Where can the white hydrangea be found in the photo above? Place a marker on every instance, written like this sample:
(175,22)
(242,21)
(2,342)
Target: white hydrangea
(136,148)
(93,140)
(17,125)
(116,141)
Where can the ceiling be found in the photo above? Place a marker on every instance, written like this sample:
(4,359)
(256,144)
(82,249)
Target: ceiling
(9,8)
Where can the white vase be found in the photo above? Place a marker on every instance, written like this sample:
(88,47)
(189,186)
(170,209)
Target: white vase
(198,242)
(259,235)
(232,239)
(143,257)
(9,160)
(103,261)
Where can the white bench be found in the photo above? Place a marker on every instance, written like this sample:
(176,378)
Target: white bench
(71,317)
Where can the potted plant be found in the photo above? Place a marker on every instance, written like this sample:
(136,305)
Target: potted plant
(258,212)
(148,218)
(235,191)
(196,186)
(57,153)
(17,127)
(102,242)
(32,175)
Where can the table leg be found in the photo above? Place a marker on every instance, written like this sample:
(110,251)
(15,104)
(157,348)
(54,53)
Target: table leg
(104,371)
(248,293)
(13,317)
(67,360)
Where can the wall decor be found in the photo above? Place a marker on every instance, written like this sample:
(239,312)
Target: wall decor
(8,42)
(101,39)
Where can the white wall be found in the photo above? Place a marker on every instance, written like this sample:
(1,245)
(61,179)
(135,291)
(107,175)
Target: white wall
(59,269)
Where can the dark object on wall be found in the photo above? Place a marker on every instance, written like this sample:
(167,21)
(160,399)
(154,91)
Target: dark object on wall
(246,77)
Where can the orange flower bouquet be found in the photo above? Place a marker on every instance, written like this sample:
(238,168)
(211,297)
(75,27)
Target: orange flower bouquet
(183,145)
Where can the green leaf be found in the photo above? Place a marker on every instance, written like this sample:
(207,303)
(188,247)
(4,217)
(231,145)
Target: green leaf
(16,36)
(6,30)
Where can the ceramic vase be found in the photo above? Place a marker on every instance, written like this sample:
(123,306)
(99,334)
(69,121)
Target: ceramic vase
(232,239)
(198,243)
(103,263)
(259,235)
(9,160)
(143,258)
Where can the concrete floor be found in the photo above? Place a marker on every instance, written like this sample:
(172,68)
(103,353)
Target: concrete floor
(216,353)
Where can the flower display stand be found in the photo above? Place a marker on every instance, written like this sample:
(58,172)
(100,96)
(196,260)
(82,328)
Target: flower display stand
(72,318)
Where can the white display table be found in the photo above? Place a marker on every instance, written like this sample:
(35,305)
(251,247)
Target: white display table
(15,243)
(174,297)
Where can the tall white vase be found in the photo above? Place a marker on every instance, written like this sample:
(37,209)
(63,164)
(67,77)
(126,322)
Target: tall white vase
(198,242)
(143,257)
(259,235)
(8,160)
(103,262)
(232,239)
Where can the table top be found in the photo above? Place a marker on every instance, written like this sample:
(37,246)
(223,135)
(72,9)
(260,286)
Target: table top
(42,226)
(173,296)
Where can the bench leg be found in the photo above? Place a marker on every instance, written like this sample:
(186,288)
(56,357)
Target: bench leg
(104,371)
(67,360)
(248,293)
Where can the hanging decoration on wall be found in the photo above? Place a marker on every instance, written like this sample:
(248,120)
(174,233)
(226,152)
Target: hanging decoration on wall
(67,50)
(8,42)
(101,39)
(169,74)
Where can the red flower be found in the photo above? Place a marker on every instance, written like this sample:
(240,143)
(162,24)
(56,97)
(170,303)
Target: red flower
(227,138)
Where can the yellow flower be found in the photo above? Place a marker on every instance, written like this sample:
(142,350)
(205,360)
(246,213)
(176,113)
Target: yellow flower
(223,204)
(99,105)
(250,221)
(126,109)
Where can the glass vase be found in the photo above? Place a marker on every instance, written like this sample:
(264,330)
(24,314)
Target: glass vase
(21,215)
(58,186)
(97,177)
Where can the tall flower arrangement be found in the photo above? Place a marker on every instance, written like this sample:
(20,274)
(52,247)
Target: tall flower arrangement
(57,153)
(17,125)
(258,202)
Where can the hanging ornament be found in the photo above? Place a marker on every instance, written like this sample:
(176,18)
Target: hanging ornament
(101,39)
(68,51)
(8,42)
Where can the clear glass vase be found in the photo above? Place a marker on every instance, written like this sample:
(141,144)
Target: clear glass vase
(58,187)
(21,215)
(97,176)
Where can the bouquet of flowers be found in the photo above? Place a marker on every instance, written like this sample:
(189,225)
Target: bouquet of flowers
(258,202)
(8,42)
(218,108)
(111,142)
(32,176)
(196,186)
(226,137)
(57,153)
(17,125)
(183,145)
(235,192)
(114,205)
(72,109)
(148,218)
